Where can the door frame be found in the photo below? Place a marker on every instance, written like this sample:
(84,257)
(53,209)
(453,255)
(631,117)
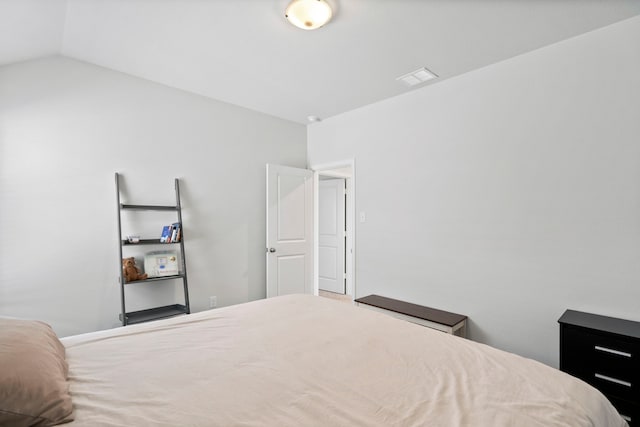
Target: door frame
(331,169)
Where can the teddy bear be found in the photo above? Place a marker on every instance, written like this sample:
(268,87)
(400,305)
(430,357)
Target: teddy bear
(131,271)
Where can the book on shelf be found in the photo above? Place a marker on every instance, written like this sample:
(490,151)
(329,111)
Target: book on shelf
(166,234)
(175,232)
(171,233)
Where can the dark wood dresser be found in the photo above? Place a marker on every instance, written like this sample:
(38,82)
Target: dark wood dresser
(604,352)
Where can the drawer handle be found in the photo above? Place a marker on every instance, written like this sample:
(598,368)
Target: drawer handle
(626,418)
(613,380)
(612,351)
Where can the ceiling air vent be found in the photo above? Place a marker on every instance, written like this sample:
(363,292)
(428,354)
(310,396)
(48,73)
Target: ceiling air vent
(418,76)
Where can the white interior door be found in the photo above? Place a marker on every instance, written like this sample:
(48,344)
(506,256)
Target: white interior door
(331,235)
(289,230)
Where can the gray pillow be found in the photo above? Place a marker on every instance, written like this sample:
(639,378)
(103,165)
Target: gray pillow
(33,375)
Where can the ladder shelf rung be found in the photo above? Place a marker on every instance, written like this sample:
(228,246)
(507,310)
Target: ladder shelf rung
(155,279)
(148,207)
(148,242)
(155,313)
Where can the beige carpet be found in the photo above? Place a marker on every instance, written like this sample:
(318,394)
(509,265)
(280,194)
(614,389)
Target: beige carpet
(339,297)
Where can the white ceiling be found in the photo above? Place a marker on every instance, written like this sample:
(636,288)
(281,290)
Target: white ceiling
(244,52)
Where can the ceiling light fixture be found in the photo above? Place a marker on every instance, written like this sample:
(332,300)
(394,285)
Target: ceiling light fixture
(418,76)
(308,14)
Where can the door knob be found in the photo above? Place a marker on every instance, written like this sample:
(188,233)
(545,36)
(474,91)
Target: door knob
(272,250)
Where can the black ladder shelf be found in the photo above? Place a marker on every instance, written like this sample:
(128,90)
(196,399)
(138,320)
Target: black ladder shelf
(154,313)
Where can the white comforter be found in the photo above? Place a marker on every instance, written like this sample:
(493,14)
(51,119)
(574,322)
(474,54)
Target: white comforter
(308,361)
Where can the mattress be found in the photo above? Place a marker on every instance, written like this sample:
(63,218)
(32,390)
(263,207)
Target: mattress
(301,360)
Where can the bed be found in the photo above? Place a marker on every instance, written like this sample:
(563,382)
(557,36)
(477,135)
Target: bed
(301,360)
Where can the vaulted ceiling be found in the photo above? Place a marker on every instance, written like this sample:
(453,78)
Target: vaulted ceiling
(244,52)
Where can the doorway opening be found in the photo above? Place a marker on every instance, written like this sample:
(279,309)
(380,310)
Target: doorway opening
(334,230)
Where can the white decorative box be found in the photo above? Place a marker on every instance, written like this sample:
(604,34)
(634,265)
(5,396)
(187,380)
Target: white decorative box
(161,263)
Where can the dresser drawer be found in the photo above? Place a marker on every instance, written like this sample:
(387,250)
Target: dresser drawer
(582,348)
(613,387)
(601,343)
(604,361)
(629,411)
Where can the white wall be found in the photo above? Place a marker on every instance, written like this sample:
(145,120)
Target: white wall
(30,28)
(65,128)
(508,194)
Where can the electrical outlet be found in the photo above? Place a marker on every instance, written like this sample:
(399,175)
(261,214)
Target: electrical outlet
(213,302)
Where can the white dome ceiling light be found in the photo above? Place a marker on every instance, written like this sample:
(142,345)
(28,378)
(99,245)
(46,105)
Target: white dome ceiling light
(308,14)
